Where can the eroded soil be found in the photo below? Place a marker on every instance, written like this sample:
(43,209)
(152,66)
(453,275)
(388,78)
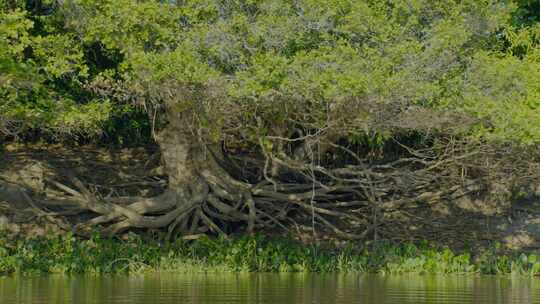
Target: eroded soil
(466,222)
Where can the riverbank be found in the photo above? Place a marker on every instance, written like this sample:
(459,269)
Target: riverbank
(468,221)
(459,236)
(71,255)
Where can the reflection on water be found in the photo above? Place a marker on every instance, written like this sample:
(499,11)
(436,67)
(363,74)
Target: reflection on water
(268,288)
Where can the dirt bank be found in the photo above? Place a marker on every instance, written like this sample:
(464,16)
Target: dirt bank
(42,170)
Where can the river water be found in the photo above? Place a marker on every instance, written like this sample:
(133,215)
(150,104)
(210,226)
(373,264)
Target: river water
(269,288)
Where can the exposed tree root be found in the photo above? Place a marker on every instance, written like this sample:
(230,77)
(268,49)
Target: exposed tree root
(349,201)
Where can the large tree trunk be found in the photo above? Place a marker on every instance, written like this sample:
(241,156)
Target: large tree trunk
(179,150)
(201,196)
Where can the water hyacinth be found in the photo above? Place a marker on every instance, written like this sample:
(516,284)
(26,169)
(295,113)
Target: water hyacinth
(70,255)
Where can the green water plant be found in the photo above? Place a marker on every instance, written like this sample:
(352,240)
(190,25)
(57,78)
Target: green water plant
(70,255)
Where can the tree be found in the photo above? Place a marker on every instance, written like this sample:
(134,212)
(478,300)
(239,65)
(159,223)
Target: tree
(42,74)
(264,109)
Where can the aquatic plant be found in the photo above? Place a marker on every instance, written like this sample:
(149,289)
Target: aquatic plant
(70,255)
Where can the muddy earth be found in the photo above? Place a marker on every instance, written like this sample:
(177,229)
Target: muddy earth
(30,174)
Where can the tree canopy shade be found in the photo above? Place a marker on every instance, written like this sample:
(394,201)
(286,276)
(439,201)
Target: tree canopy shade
(270,66)
(43,70)
(301,87)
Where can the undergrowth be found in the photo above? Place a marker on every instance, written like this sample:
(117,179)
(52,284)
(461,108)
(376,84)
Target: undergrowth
(70,255)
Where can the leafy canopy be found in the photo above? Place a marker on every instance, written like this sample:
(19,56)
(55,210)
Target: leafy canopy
(252,68)
(42,74)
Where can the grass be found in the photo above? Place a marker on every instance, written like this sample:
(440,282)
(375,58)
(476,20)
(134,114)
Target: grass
(68,254)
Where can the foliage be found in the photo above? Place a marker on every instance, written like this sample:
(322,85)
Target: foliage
(69,255)
(527,12)
(44,70)
(41,72)
(273,66)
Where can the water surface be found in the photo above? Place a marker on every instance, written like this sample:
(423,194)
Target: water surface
(269,288)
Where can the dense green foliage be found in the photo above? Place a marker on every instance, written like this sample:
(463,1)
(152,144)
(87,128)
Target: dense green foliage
(66,254)
(44,72)
(252,68)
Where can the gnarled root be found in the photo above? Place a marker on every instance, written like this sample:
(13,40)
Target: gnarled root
(216,202)
(349,201)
